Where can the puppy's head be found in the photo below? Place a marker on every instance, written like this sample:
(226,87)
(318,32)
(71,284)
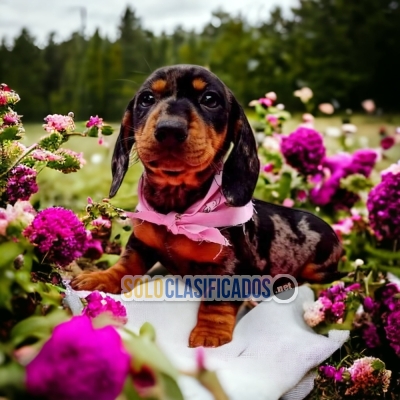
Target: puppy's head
(182,122)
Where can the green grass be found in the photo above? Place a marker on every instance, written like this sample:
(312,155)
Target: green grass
(72,190)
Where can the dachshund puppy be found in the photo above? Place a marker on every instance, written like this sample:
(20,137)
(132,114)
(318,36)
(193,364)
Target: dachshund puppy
(200,164)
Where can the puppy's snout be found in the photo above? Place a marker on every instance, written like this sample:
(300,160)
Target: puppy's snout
(171,130)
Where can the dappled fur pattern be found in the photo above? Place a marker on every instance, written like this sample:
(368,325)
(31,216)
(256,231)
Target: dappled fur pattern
(181,123)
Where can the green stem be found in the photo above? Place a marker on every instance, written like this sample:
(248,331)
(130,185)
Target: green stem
(28,151)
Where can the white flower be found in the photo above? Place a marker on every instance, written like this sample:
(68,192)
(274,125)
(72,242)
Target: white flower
(314,313)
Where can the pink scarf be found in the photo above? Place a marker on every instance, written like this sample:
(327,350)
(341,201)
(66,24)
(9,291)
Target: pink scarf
(199,221)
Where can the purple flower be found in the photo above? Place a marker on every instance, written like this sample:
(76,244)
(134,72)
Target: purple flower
(59,235)
(387,296)
(392,330)
(79,362)
(21,184)
(336,167)
(371,336)
(304,150)
(11,118)
(383,206)
(338,309)
(98,304)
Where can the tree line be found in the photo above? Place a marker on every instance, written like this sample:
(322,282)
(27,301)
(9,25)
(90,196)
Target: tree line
(344,50)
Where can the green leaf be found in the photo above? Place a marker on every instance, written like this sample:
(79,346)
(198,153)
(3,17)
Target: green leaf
(169,387)
(284,185)
(37,327)
(378,365)
(12,377)
(148,330)
(10,133)
(210,381)
(107,130)
(93,131)
(146,352)
(9,251)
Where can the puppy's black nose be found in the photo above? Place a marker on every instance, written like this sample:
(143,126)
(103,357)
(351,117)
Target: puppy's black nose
(171,130)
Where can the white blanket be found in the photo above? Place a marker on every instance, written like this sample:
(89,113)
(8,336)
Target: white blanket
(271,356)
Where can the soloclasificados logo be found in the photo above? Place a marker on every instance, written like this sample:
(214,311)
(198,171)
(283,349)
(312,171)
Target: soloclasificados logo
(281,288)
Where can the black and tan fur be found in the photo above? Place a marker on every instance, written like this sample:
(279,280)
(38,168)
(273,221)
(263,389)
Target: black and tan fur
(182,122)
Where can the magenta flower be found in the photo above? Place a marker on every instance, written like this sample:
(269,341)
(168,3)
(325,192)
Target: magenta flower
(11,118)
(331,372)
(59,123)
(383,206)
(79,362)
(369,304)
(327,189)
(98,304)
(338,309)
(304,150)
(59,236)
(95,121)
(387,142)
(21,184)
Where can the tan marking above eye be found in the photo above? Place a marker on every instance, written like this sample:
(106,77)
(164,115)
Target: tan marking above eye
(159,85)
(199,83)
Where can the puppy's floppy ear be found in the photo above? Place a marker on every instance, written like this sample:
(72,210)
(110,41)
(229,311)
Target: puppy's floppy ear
(123,147)
(241,169)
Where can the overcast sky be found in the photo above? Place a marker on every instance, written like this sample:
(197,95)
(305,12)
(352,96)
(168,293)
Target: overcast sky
(64,16)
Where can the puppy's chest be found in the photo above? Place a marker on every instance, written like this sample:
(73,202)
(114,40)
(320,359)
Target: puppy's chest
(178,249)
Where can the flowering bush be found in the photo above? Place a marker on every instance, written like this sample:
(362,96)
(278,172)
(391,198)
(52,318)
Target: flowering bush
(47,353)
(343,187)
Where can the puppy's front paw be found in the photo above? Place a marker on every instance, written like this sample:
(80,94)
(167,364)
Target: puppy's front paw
(101,280)
(208,338)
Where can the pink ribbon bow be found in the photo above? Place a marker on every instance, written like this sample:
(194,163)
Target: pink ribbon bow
(201,220)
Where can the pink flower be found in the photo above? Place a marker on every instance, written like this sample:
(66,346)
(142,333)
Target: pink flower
(3,99)
(368,375)
(301,195)
(59,123)
(344,226)
(265,101)
(11,118)
(268,167)
(103,222)
(79,362)
(272,119)
(326,108)
(98,304)
(200,357)
(315,313)
(288,202)
(95,121)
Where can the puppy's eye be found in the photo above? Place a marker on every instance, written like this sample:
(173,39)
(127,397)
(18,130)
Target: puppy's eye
(210,100)
(146,99)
